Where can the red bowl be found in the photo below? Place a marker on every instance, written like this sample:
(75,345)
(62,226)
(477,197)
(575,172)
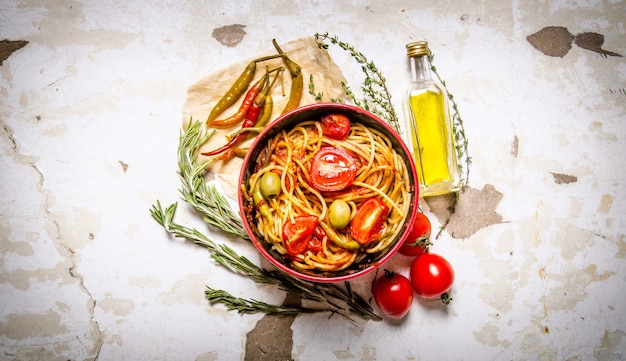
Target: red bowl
(315,111)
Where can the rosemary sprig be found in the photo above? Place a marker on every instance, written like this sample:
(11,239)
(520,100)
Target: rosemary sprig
(329,296)
(251,306)
(374,87)
(217,212)
(196,192)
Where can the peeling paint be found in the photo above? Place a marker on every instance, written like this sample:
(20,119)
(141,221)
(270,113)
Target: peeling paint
(145,282)
(593,41)
(606,203)
(489,335)
(552,41)
(123,165)
(601,133)
(21,248)
(185,291)
(208,356)
(475,210)
(8,47)
(272,337)
(345,354)
(610,341)
(528,341)
(570,287)
(20,326)
(116,306)
(560,178)
(229,35)
(557,41)
(368,353)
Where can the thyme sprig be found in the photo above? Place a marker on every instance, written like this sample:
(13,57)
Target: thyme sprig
(460,139)
(461,145)
(377,97)
(217,211)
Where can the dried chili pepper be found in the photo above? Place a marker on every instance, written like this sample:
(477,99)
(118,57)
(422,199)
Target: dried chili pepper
(266,113)
(245,105)
(251,118)
(238,88)
(264,118)
(232,153)
(297,80)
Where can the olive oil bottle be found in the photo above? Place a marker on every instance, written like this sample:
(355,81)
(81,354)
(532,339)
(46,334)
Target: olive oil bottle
(430,126)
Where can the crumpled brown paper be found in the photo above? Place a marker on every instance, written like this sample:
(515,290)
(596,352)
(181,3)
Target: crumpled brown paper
(201,97)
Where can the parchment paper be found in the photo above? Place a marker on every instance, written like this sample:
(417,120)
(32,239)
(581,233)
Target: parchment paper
(202,96)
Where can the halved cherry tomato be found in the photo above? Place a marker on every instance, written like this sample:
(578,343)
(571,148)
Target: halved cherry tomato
(368,223)
(332,169)
(336,126)
(418,240)
(296,235)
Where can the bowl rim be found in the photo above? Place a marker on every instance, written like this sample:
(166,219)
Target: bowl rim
(344,277)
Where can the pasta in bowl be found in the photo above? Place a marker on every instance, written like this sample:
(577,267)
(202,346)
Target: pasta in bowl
(328,192)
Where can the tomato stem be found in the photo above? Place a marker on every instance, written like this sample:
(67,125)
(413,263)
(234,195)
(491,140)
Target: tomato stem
(422,241)
(445,298)
(389,274)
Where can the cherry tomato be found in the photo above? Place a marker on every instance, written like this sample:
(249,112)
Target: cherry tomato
(368,223)
(418,240)
(393,294)
(336,126)
(296,235)
(332,169)
(431,275)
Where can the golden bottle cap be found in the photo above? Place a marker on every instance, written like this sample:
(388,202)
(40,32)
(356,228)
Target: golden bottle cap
(417,48)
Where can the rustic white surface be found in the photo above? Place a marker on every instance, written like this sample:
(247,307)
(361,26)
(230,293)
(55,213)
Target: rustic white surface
(86,273)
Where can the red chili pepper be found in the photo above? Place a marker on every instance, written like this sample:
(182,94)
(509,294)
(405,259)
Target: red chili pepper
(245,105)
(255,109)
(233,142)
(232,153)
(251,117)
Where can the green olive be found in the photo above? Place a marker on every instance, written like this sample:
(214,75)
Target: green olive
(339,214)
(270,185)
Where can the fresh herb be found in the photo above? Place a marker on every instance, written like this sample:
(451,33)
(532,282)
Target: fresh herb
(251,306)
(217,211)
(194,189)
(457,128)
(461,145)
(374,87)
(318,96)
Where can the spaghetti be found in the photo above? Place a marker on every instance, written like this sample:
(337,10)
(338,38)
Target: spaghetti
(380,174)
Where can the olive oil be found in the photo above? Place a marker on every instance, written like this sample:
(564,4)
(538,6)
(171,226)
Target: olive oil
(430,127)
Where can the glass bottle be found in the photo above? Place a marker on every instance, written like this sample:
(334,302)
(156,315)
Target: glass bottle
(430,126)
